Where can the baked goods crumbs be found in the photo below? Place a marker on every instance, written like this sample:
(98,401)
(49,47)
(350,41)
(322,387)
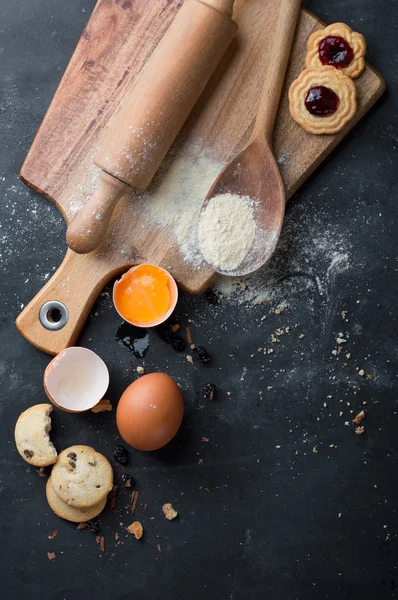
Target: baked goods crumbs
(134,499)
(359,418)
(112,497)
(54,533)
(102,406)
(169,512)
(158,547)
(101,542)
(51,555)
(360,430)
(136,529)
(140,370)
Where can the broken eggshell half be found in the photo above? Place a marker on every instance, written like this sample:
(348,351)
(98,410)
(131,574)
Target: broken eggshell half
(76,379)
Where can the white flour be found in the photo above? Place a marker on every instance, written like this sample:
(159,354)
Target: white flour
(176,195)
(226,231)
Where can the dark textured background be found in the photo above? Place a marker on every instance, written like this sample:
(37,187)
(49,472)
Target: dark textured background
(280,521)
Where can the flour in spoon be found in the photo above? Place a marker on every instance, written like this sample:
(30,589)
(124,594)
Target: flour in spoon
(227,230)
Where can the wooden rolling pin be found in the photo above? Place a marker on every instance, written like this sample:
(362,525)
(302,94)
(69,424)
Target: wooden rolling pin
(141,131)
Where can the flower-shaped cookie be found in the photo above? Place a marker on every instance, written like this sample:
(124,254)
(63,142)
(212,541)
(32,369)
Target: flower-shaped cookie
(322,100)
(337,46)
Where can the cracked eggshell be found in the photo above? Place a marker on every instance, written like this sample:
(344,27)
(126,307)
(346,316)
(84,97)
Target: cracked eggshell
(76,379)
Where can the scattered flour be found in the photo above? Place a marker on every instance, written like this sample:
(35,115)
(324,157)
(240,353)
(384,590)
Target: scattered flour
(227,230)
(310,257)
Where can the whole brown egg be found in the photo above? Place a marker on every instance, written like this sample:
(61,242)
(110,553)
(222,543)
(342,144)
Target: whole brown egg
(150,412)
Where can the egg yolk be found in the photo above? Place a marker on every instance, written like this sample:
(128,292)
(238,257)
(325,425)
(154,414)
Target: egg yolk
(143,295)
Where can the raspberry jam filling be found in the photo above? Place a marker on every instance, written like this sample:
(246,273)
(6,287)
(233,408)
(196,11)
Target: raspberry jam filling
(335,51)
(321,101)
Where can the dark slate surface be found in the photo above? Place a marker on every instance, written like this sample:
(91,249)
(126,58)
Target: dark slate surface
(279,520)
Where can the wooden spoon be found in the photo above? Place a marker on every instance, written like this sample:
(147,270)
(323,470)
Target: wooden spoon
(254,172)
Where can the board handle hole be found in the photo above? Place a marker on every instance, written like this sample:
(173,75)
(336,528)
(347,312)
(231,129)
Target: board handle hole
(53,315)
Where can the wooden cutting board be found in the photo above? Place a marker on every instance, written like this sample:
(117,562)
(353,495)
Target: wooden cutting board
(118,39)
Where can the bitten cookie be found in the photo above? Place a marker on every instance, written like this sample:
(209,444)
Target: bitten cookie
(31,436)
(337,46)
(70,513)
(322,100)
(82,477)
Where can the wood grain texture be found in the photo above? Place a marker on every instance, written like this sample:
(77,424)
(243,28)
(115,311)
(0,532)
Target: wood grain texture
(115,45)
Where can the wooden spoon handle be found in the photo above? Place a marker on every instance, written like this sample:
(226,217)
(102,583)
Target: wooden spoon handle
(64,302)
(89,226)
(276,68)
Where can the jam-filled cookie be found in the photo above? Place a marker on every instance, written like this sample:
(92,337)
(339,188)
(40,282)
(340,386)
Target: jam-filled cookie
(337,46)
(322,100)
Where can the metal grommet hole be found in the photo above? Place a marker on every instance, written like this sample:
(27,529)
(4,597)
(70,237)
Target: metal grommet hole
(53,315)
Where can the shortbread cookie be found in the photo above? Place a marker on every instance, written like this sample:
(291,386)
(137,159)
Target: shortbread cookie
(70,513)
(82,477)
(337,46)
(322,100)
(31,436)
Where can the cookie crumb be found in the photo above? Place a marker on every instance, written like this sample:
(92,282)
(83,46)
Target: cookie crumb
(101,542)
(359,418)
(169,512)
(134,499)
(189,358)
(54,533)
(140,370)
(112,497)
(51,555)
(205,439)
(136,529)
(361,372)
(82,526)
(360,430)
(189,336)
(158,547)
(102,406)
(175,327)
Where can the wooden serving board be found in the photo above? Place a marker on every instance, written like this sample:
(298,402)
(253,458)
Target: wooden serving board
(118,39)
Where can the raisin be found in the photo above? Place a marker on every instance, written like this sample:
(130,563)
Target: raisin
(209,390)
(177,343)
(211,298)
(93,526)
(164,333)
(121,455)
(201,355)
(128,480)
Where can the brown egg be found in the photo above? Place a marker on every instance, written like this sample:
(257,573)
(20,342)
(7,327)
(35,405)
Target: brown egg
(150,412)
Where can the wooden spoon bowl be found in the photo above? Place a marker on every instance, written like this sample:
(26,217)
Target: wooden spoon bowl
(245,176)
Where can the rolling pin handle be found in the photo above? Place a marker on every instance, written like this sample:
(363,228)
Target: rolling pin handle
(89,226)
